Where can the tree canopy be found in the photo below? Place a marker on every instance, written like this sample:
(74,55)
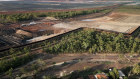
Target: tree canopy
(96,42)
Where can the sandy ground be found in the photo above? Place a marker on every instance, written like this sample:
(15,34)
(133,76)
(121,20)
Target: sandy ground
(118,22)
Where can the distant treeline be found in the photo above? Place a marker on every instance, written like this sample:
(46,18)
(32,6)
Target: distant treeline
(4,18)
(94,42)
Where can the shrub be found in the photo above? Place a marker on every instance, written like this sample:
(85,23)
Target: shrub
(136,69)
(112,75)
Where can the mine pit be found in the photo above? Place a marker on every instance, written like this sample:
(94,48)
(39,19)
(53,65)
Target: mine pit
(115,22)
(34,31)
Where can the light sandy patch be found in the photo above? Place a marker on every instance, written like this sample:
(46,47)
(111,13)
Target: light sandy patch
(124,23)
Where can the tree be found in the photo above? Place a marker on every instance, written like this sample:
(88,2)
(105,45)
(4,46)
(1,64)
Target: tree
(85,45)
(108,47)
(117,47)
(94,41)
(134,45)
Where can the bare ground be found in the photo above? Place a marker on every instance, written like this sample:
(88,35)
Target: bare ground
(52,64)
(118,22)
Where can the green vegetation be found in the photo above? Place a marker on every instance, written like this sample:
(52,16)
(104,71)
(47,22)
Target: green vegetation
(136,69)
(15,61)
(16,17)
(132,72)
(114,74)
(95,42)
(133,9)
(86,40)
(14,52)
(61,15)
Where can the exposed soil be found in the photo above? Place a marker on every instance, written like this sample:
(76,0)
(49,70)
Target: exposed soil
(55,65)
(118,22)
(41,27)
(82,61)
(44,26)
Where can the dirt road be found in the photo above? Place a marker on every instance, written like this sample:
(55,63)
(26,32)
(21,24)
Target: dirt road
(52,64)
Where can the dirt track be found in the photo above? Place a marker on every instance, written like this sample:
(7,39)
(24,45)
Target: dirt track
(90,60)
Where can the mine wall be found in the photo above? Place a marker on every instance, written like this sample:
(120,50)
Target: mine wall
(34,43)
